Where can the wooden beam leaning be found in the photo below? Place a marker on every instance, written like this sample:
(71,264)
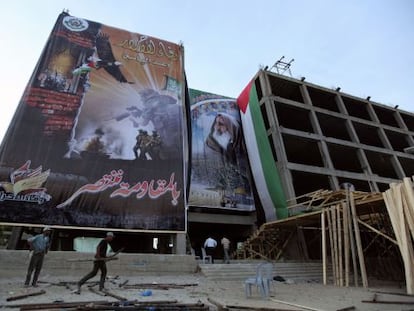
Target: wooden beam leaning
(22,296)
(295,305)
(346,242)
(358,241)
(335,243)
(409,207)
(324,259)
(328,216)
(351,237)
(377,231)
(340,261)
(406,245)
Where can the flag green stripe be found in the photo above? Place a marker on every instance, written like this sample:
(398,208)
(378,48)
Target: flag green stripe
(256,166)
(269,169)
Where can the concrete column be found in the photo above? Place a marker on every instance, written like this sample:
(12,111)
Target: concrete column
(403,126)
(381,131)
(372,113)
(397,167)
(366,168)
(179,244)
(276,137)
(277,140)
(349,126)
(317,128)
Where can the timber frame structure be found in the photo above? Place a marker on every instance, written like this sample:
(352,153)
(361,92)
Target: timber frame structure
(351,222)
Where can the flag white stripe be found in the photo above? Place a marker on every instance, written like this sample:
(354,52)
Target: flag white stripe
(256,165)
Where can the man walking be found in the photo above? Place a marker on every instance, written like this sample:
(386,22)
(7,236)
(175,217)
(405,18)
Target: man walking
(39,244)
(99,263)
(210,245)
(225,242)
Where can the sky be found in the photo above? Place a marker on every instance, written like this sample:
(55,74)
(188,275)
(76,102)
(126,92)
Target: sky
(363,46)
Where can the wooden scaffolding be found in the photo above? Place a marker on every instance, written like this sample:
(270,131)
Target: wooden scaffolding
(348,227)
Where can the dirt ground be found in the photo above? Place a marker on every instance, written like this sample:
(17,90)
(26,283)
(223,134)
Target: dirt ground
(197,288)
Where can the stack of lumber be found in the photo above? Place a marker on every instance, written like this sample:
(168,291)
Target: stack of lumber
(399,200)
(340,223)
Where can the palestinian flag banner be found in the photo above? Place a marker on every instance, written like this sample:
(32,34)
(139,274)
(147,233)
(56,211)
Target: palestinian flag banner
(261,160)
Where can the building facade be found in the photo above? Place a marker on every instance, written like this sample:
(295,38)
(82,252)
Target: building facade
(322,138)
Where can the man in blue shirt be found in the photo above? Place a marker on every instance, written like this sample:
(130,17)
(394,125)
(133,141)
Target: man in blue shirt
(39,244)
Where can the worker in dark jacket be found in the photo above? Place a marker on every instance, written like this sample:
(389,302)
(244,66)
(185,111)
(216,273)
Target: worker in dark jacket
(99,263)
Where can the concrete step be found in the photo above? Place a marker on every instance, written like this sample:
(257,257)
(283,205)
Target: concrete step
(73,263)
(295,270)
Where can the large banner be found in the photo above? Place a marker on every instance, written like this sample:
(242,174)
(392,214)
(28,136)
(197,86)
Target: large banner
(265,173)
(97,139)
(219,165)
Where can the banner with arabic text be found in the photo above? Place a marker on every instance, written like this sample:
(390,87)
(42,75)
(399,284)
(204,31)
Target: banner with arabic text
(97,138)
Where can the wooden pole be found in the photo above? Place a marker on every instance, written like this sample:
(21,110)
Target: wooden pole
(22,296)
(346,242)
(331,243)
(377,231)
(340,262)
(409,207)
(352,238)
(323,248)
(406,245)
(358,242)
(335,238)
(294,305)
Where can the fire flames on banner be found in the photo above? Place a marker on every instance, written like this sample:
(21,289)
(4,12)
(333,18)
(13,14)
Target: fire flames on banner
(219,167)
(97,139)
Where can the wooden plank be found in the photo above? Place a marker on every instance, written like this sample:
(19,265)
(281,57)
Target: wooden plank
(294,304)
(335,243)
(406,249)
(352,238)
(346,242)
(358,242)
(97,292)
(22,296)
(391,202)
(284,245)
(377,231)
(330,230)
(57,305)
(324,259)
(409,207)
(340,262)
(108,293)
(96,259)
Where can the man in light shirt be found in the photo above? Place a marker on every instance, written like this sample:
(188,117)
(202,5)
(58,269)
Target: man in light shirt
(210,245)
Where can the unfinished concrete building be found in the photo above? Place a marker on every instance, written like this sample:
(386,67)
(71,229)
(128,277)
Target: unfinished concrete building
(322,138)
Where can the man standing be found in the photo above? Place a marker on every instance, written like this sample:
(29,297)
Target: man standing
(225,242)
(39,244)
(210,245)
(99,263)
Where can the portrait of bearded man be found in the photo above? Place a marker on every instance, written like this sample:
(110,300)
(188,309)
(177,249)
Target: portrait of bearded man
(225,136)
